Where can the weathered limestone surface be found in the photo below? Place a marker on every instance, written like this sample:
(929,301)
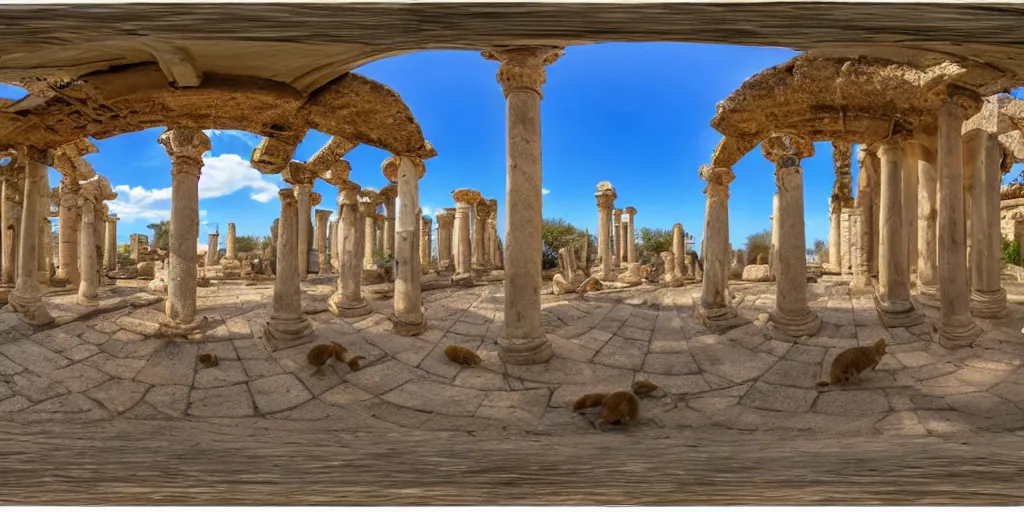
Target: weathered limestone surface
(74,169)
(369,201)
(481,249)
(521,75)
(389,193)
(445,223)
(909,188)
(866,183)
(715,310)
(26,298)
(464,199)
(288,325)
(92,194)
(773,256)
(348,300)
(605,203)
(631,234)
(679,249)
(423,231)
(846,243)
(956,327)
(110,250)
(213,249)
(323,265)
(927,226)
(10,210)
(893,297)
(493,241)
(842,153)
(988,298)
(616,238)
(407,171)
(185,147)
(791,316)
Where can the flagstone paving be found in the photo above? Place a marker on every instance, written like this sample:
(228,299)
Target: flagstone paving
(99,368)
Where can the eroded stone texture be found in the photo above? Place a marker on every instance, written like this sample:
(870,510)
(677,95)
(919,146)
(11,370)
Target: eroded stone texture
(893,298)
(988,298)
(842,153)
(605,203)
(464,199)
(715,310)
(521,75)
(407,171)
(323,264)
(389,193)
(74,169)
(348,300)
(288,325)
(445,223)
(213,249)
(110,244)
(679,249)
(424,240)
(630,234)
(481,252)
(26,298)
(493,241)
(91,195)
(927,225)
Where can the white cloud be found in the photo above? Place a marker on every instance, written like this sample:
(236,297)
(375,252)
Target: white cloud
(427,211)
(545,191)
(246,137)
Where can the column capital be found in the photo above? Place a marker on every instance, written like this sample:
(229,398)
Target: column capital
(337,173)
(315,199)
(493,205)
(389,193)
(786,150)
(426,221)
(630,211)
(617,214)
(445,217)
(287,197)
(389,167)
(185,146)
(522,67)
(369,197)
(483,209)
(297,173)
(466,196)
(348,193)
(967,99)
(273,154)
(717,175)
(113,217)
(606,198)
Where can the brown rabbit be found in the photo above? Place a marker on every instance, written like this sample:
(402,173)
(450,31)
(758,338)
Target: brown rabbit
(462,355)
(850,363)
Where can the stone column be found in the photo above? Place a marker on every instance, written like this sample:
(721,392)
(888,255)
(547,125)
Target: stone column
(424,240)
(927,217)
(389,193)
(13,187)
(679,249)
(858,263)
(322,216)
(842,198)
(623,226)
(185,147)
(42,234)
(407,171)
(956,326)
(893,298)
(773,256)
(481,264)
(835,230)
(908,173)
(369,202)
(26,298)
(616,235)
(464,199)
(846,244)
(302,192)
(605,203)
(521,76)
(213,249)
(445,221)
(134,244)
(715,310)
(67,235)
(988,297)
(230,258)
(110,253)
(868,192)
(378,233)
(288,325)
(492,235)
(333,235)
(791,317)
(348,301)
(631,234)
(89,282)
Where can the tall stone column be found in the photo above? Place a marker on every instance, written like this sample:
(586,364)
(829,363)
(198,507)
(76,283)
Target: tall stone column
(333,235)
(631,234)
(369,202)
(230,258)
(521,76)
(927,234)
(859,263)
(715,310)
(868,192)
(791,316)
(407,171)
(13,188)
(425,228)
(378,233)
(893,298)
(213,249)
(302,193)
(464,199)
(956,326)
(42,234)
(185,147)
(616,235)
(605,203)
(835,230)
(481,263)
(67,230)
(622,246)
(27,298)
(90,264)
(909,174)
(348,301)
(494,252)
(445,222)
(288,325)
(988,297)
(773,256)
(846,244)
(110,253)
(322,216)
(679,249)
(389,193)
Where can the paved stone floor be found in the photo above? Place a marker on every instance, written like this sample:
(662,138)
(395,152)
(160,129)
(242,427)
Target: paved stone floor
(94,370)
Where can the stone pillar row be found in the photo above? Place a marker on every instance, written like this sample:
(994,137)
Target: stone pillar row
(605,204)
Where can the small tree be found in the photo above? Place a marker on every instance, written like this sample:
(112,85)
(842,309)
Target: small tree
(248,243)
(556,234)
(161,234)
(759,243)
(653,242)
(1011,252)
(821,251)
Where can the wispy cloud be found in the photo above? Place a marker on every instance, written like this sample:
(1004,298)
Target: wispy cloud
(246,137)
(545,191)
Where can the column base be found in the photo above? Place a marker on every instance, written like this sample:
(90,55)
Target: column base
(288,331)
(5,292)
(784,327)
(898,314)
(462,280)
(928,295)
(522,351)
(31,308)
(718,320)
(988,304)
(89,302)
(862,285)
(958,332)
(338,306)
(403,328)
(176,329)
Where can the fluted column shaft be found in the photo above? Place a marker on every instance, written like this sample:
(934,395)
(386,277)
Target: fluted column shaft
(302,193)
(409,320)
(89,283)
(348,300)
(67,232)
(893,298)
(988,298)
(927,233)
(26,297)
(288,325)
(715,310)
(956,327)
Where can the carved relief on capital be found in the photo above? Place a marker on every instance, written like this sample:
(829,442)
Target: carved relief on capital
(445,217)
(787,150)
(522,67)
(297,173)
(493,205)
(185,147)
(96,190)
(389,167)
(718,180)
(348,193)
(483,209)
(272,155)
(630,211)
(287,197)
(371,197)
(606,199)
(969,100)
(315,199)
(338,173)
(425,223)
(466,196)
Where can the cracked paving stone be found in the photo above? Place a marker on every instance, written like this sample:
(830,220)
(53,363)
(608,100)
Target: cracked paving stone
(170,400)
(779,398)
(227,402)
(34,356)
(224,374)
(174,364)
(381,378)
(671,364)
(622,353)
(852,402)
(77,377)
(277,393)
(118,395)
(437,398)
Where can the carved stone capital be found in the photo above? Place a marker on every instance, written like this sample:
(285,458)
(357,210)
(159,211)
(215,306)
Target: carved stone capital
(272,155)
(390,167)
(483,210)
(315,199)
(606,198)
(717,175)
(522,67)
(371,196)
(445,217)
(787,150)
(616,214)
(348,193)
(287,197)
(970,101)
(630,211)
(368,209)
(185,146)
(338,173)
(297,173)
(389,193)
(466,196)
(425,223)
(493,205)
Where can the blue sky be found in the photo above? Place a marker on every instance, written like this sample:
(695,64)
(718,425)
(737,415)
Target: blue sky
(634,114)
